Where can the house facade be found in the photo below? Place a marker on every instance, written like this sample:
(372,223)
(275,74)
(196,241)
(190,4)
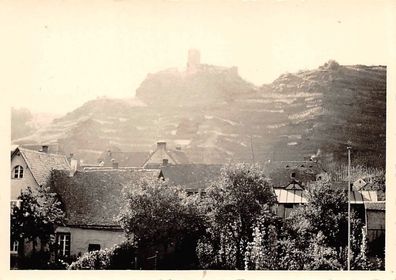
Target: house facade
(92,200)
(31,168)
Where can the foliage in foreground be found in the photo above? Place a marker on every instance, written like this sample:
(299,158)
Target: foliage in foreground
(120,256)
(160,217)
(314,237)
(233,204)
(35,221)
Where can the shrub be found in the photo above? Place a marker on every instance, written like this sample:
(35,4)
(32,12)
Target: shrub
(121,256)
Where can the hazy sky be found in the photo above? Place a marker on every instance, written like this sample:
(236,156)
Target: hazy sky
(64,53)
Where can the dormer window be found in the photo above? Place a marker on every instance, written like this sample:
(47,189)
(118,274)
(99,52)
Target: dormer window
(17,172)
(293,175)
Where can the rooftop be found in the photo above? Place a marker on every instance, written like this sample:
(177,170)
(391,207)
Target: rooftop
(93,199)
(191,176)
(41,163)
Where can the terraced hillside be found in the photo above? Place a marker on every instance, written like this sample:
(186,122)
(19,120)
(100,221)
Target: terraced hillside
(215,117)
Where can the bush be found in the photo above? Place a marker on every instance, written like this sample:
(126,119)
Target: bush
(121,256)
(330,65)
(41,260)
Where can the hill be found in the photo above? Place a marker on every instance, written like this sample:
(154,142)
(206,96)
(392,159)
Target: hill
(215,116)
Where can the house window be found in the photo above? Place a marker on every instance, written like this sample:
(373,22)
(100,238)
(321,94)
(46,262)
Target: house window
(63,241)
(18,172)
(93,247)
(14,246)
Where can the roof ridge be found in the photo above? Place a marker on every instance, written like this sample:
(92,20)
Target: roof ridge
(42,153)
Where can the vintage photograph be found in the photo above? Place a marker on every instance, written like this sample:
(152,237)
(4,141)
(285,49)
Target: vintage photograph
(199,135)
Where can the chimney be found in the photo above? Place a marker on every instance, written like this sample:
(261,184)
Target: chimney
(44,149)
(109,153)
(114,164)
(178,148)
(165,162)
(161,145)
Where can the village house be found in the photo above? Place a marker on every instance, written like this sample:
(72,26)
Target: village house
(33,168)
(91,200)
(291,180)
(375,221)
(30,168)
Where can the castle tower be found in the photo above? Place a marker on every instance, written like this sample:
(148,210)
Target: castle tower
(193,61)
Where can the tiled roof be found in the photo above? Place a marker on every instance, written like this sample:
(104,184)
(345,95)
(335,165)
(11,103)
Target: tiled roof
(379,206)
(280,171)
(156,158)
(191,176)
(41,164)
(93,199)
(179,156)
(124,159)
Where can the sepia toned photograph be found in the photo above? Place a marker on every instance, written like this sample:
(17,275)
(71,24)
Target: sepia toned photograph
(198,135)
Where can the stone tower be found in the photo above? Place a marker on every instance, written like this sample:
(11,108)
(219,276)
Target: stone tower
(193,61)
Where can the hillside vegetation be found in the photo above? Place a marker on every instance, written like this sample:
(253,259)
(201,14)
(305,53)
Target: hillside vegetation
(216,117)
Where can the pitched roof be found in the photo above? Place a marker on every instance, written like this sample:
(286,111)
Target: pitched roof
(40,164)
(360,197)
(156,158)
(93,199)
(124,159)
(179,156)
(290,196)
(280,171)
(191,176)
(299,196)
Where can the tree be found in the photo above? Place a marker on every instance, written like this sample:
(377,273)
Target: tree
(325,212)
(37,217)
(232,206)
(318,231)
(158,216)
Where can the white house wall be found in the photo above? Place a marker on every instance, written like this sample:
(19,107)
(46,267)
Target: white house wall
(80,238)
(17,185)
